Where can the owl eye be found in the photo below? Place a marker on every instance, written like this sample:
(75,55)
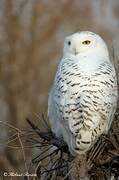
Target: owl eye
(69,43)
(86,42)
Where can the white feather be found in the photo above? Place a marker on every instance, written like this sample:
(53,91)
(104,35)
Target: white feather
(83,98)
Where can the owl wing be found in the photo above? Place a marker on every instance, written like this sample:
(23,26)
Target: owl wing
(94,108)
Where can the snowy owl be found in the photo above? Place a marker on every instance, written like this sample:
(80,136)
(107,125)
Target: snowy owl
(83,98)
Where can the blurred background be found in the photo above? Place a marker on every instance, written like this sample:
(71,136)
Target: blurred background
(31,41)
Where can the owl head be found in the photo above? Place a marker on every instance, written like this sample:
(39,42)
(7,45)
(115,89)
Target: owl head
(85,42)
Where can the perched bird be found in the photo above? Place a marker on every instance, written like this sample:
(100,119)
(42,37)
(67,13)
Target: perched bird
(83,98)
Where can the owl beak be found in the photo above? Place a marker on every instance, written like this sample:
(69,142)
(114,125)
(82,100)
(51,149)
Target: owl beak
(76,52)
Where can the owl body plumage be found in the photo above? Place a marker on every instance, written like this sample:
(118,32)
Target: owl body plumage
(83,99)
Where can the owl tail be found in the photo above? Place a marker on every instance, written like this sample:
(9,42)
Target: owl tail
(84,140)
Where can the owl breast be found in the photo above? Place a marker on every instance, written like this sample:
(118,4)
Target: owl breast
(82,103)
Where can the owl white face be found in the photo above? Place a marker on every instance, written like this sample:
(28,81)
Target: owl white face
(84,42)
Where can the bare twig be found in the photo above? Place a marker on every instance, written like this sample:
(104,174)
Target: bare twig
(23,152)
(10,126)
(50,138)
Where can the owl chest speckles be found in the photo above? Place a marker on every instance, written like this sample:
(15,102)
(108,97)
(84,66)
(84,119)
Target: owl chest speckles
(71,81)
(77,95)
(67,82)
